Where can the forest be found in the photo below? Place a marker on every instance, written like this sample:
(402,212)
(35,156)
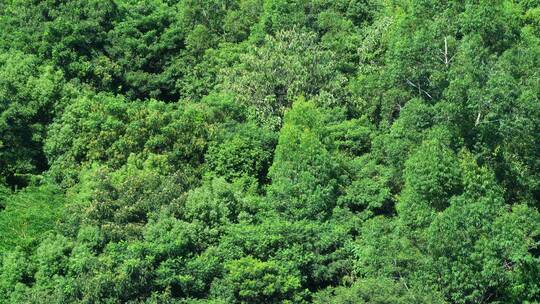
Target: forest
(270,151)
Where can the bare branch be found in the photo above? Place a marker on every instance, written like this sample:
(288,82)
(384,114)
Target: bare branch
(477,122)
(446,51)
(420,90)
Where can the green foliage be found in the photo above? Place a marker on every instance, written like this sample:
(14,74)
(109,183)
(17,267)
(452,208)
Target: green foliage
(252,281)
(376,291)
(244,151)
(28,215)
(431,176)
(109,130)
(30,96)
(269,151)
(304,181)
(382,251)
(369,191)
(270,77)
(470,245)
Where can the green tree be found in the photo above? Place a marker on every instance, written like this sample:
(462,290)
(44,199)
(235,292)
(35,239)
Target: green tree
(249,280)
(30,97)
(432,176)
(304,174)
(109,130)
(478,255)
(246,150)
(271,76)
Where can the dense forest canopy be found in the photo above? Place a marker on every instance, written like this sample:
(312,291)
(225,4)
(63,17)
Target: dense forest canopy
(269,151)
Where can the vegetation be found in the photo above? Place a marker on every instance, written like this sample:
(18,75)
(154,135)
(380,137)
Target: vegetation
(269,151)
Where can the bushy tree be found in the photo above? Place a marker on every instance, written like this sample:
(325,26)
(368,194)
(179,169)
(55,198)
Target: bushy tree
(108,130)
(245,151)
(304,174)
(470,245)
(31,95)
(249,280)
(270,77)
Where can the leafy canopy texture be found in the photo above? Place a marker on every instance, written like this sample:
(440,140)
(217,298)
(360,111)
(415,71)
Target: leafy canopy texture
(270,151)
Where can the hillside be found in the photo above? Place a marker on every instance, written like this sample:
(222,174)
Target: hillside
(270,151)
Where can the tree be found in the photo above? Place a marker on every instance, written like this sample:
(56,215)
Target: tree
(303,174)
(270,77)
(250,281)
(247,150)
(109,130)
(432,177)
(478,255)
(30,97)
(379,291)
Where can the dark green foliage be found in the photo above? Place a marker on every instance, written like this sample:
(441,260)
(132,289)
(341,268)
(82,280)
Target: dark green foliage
(431,178)
(30,97)
(245,151)
(269,151)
